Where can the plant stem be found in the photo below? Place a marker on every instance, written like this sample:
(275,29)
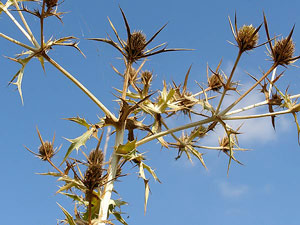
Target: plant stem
(248,91)
(254,106)
(257,115)
(227,86)
(179,128)
(36,44)
(17,23)
(17,42)
(112,170)
(126,79)
(81,86)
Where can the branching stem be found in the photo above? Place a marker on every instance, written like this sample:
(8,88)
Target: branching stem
(81,86)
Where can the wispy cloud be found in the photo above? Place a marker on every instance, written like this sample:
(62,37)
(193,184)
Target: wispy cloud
(229,190)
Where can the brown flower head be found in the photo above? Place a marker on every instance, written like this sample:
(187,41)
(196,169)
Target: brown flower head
(215,81)
(282,52)
(93,176)
(96,157)
(134,48)
(246,37)
(46,150)
(51,3)
(146,77)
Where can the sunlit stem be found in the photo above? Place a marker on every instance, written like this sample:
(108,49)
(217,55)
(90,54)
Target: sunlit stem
(271,84)
(36,44)
(254,106)
(248,91)
(227,85)
(257,115)
(126,79)
(17,23)
(81,86)
(17,42)
(179,128)
(112,171)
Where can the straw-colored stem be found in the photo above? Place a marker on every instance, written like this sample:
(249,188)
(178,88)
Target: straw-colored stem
(81,86)
(257,115)
(227,85)
(112,171)
(126,79)
(272,79)
(42,24)
(254,106)
(179,128)
(248,91)
(36,44)
(16,23)
(17,42)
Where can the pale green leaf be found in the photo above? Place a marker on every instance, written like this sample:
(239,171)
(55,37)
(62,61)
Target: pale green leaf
(80,121)
(128,147)
(69,218)
(78,142)
(151,171)
(50,174)
(119,218)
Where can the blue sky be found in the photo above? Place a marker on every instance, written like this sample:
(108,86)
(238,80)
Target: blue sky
(265,191)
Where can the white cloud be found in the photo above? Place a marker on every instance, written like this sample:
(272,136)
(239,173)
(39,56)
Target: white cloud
(229,190)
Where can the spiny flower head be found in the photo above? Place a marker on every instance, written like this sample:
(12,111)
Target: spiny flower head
(46,150)
(135,46)
(247,37)
(215,81)
(283,51)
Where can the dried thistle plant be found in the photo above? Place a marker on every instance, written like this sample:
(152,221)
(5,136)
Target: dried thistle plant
(143,116)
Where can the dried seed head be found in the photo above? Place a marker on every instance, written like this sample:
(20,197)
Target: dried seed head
(146,77)
(51,3)
(215,81)
(46,150)
(283,51)
(247,38)
(93,176)
(96,157)
(135,46)
(224,143)
(276,99)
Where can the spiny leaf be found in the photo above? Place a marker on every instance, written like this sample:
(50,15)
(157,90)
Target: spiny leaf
(70,219)
(78,142)
(42,61)
(298,127)
(66,187)
(19,75)
(80,121)
(147,190)
(75,198)
(50,174)
(151,171)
